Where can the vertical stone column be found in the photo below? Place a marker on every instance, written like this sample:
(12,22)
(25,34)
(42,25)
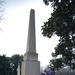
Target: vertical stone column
(18,71)
(31,41)
(30,64)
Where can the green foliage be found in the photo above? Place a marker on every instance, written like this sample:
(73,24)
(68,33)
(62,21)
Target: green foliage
(56,64)
(4,65)
(9,65)
(62,23)
(15,59)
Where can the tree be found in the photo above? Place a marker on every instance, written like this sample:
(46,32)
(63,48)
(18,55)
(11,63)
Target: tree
(2,2)
(56,64)
(9,65)
(4,65)
(15,59)
(62,24)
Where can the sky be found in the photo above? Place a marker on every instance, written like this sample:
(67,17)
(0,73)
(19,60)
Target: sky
(14,29)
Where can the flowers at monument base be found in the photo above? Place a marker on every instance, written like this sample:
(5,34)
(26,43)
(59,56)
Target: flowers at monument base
(47,72)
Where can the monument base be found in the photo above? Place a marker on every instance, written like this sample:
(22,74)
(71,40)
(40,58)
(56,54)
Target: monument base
(30,67)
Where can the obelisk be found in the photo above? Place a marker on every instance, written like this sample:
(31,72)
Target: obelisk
(18,70)
(30,64)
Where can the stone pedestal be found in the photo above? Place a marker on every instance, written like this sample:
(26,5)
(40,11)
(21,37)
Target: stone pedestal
(30,66)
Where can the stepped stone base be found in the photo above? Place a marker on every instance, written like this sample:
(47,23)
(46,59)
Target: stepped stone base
(31,56)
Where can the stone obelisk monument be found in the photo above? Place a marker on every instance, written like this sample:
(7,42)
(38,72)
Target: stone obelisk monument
(18,72)
(30,64)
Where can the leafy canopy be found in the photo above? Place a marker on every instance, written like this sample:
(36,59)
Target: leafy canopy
(62,23)
(9,65)
(4,65)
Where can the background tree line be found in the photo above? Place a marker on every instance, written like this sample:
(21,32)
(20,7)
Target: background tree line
(9,65)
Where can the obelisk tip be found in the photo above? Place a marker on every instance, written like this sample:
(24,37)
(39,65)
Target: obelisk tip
(32,9)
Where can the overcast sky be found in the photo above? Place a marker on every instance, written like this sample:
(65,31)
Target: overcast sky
(13,36)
